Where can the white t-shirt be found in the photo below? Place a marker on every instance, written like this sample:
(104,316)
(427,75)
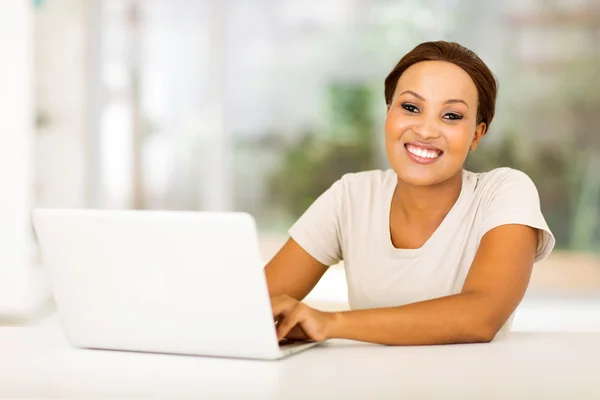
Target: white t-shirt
(350,222)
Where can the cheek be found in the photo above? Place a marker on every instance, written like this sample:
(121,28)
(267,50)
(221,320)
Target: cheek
(395,125)
(459,138)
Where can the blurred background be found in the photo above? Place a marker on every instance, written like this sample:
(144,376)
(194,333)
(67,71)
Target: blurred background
(260,105)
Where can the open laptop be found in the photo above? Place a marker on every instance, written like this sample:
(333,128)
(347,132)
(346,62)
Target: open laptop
(160,281)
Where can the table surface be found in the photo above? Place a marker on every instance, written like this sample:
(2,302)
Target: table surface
(38,362)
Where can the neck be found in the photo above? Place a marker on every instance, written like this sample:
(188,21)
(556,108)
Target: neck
(424,203)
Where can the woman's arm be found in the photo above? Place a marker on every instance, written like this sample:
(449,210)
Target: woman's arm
(494,287)
(293,272)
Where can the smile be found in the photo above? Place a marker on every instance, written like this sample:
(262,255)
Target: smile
(422,155)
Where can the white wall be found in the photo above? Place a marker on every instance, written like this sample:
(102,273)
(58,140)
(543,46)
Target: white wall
(20,280)
(60,91)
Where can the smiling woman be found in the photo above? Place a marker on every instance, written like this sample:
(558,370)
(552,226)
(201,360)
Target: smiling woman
(433,253)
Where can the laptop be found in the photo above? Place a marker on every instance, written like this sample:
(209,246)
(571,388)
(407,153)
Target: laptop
(160,281)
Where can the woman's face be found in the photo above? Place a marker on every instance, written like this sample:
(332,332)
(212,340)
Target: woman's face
(432,123)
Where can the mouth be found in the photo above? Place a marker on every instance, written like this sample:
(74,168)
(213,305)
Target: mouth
(421,154)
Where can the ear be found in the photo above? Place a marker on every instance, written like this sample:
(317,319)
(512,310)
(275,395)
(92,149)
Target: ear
(479,133)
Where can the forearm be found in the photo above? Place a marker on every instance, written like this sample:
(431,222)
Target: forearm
(461,318)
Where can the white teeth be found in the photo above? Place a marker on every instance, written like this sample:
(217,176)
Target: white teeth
(422,152)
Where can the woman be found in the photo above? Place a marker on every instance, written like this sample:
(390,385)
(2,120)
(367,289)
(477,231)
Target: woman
(433,253)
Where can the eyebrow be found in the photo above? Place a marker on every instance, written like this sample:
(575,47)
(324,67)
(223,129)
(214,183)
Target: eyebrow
(449,101)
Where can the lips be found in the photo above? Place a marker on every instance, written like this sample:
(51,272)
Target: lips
(422,153)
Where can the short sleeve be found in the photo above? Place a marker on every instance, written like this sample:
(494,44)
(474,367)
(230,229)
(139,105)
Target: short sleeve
(514,199)
(318,230)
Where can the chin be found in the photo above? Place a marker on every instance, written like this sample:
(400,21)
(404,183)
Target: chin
(420,179)
(420,176)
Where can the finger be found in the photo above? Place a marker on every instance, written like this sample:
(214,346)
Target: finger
(293,318)
(282,305)
(281,316)
(297,333)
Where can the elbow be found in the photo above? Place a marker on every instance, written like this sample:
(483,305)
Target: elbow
(482,336)
(483,322)
(482,333)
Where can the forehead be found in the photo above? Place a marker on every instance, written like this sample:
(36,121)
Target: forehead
(438,80)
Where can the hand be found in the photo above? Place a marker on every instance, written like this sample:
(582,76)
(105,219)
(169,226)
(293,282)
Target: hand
(296,320)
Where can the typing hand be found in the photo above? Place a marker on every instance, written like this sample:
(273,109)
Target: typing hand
(297,321)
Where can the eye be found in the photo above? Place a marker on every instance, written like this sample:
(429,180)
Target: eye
(453,116)
(410,108)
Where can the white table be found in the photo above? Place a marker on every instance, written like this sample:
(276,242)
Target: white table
(37,362)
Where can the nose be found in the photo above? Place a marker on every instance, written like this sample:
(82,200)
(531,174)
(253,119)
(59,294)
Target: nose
(427,129)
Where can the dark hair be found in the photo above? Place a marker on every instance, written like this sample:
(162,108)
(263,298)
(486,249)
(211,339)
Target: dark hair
(485,82)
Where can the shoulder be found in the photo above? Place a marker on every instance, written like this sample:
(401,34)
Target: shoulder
(365,185)
(509,196)
(504,181)
(506,192)
(503,176)
(367,179)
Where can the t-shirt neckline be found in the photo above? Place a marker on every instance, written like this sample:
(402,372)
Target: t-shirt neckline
(400,252)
